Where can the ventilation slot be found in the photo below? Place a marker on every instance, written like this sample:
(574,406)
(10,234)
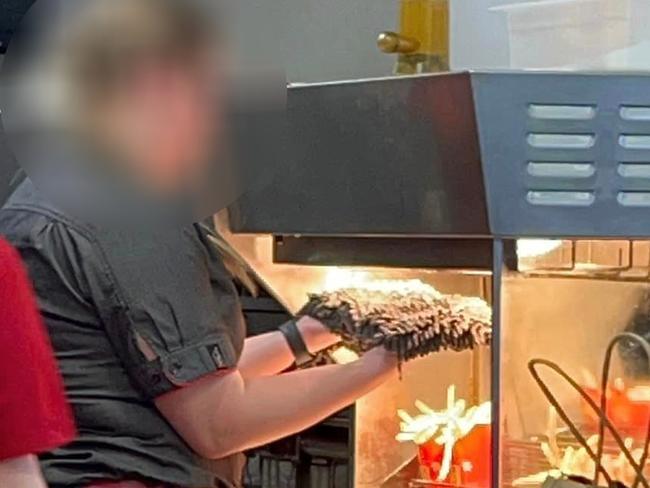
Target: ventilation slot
(634,142)
(635,114)
(561,141)
(561,170)
(562,112)
(561,198)
(634,199)
(640,171)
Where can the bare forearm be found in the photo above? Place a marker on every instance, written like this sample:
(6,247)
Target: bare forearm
(222,415)
(264,355)
(22,472)
(269,354)
(272,408)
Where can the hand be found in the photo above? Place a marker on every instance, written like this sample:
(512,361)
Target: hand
(316,336)
(380,359)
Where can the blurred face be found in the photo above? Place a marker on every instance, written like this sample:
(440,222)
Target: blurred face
(167,122)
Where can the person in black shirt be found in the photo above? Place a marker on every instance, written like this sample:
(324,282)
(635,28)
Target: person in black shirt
(146,323)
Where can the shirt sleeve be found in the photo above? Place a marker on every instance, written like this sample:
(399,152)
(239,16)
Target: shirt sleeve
(34,414)
(166,301)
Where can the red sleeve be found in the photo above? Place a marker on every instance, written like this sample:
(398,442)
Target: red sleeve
(34,414)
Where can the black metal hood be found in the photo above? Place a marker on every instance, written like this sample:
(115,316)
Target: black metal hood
(462,155)
(395,156)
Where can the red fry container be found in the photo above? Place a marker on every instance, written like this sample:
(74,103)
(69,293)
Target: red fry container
(471,463)
(628,415)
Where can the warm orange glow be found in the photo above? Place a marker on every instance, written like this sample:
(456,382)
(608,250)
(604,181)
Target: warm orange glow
(531,248)
(628,406)
(339,278)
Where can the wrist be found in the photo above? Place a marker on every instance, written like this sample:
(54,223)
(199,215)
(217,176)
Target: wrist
(296,343)
(316,336)
(380,360)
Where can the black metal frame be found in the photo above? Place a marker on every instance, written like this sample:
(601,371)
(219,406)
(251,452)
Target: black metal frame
(498,266)
(400,252)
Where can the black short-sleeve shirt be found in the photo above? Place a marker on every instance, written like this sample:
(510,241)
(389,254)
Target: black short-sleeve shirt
(131,317)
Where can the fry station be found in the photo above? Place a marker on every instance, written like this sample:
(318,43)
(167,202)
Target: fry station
(490,228)
(464,209)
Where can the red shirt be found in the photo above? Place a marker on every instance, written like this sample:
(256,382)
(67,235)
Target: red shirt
(34,414)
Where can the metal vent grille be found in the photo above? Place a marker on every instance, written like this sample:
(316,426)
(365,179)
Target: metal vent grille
(562,168)
(566,154)
(633,165)
(561,171)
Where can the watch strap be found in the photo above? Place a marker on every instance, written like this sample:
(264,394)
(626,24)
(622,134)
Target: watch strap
(296,343)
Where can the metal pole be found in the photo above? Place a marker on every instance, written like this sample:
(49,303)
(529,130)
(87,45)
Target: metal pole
(352,439)
(495,353)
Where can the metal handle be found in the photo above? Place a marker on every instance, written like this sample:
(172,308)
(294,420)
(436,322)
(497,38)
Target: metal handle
(392,42)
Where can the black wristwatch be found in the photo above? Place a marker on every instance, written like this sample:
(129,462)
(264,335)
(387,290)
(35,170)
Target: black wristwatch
(296,343)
